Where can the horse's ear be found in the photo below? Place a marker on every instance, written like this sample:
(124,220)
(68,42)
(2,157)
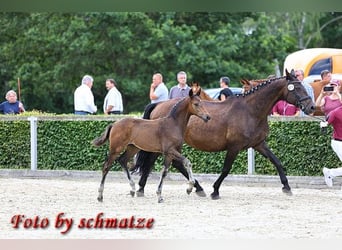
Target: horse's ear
(191,93)
(244,81)
(287,74)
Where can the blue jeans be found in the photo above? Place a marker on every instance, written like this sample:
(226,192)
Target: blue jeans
(82,112)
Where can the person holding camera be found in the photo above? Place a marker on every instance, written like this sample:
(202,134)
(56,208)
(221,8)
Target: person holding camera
(335,119)
(330,97)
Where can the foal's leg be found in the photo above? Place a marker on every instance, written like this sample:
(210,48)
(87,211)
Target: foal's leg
(164,171)
(265,151)
(180,166)
(123,160)
(105,169)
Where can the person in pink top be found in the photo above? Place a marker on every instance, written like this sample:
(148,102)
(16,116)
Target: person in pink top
(284,108)
(335,119)
(329,100)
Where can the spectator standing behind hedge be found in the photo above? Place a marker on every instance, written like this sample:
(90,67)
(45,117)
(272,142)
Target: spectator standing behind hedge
(113,100)
(84,98)
(182,88)
(300,76)
(282,107)
(335,119)
(225,92)
(12,105)
(158,90)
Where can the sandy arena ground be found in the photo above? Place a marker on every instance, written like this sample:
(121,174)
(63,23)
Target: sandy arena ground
(242,212)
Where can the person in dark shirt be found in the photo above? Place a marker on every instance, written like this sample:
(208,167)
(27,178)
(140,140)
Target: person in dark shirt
(225,92)
(12,105)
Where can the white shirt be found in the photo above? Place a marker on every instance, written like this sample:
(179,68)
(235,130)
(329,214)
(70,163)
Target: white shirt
(114,99)
(84,99)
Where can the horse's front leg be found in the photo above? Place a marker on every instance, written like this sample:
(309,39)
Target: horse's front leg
(180,166)
(167,162)
(123,160)
(265,151)
(188,166)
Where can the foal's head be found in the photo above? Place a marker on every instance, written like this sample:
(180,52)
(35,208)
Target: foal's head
(196,107)
(196,89)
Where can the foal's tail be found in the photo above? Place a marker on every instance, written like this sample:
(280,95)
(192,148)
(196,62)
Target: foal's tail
(103,138)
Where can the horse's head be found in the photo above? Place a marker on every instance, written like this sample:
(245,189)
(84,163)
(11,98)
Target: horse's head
(296,94)
(197,90)
(196,107)
(247,85)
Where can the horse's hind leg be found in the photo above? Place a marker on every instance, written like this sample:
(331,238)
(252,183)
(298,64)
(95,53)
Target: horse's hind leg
(106,167)
(180,166)
(123,160)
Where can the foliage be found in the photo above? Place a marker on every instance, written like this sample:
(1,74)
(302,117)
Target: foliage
(50,52)
(300,146)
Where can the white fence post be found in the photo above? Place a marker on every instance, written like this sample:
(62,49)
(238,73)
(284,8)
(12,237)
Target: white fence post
(251,160)
(33,130)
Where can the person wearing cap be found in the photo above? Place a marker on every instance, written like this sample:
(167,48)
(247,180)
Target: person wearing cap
(12,105)
(113,100)
(330,100)
(84,98)
(225,92)
(335,119)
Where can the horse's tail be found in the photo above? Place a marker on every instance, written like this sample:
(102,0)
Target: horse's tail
(148,110)
(142,156)
(103,138)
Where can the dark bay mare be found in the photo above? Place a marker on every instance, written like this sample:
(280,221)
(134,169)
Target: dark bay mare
(164,135)
(238,123)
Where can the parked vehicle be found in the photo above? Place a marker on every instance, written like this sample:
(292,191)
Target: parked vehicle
(313,61)
(214,92)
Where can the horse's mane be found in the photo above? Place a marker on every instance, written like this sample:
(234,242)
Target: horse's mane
(259,86)
(173,110)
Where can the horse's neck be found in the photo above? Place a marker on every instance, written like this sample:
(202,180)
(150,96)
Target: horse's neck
(205,96)
(180,115)
(264,98)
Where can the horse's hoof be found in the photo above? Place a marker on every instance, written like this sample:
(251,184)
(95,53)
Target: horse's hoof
(160,200)
(140,194)
(201,193)
(188,190)
(287,191)
(215,196)
(132,193)
(100,199)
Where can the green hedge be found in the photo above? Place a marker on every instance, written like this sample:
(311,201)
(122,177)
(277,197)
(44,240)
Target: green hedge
(66,145)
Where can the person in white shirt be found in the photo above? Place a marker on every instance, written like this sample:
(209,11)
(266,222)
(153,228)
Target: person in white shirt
(84,98)
(113,100)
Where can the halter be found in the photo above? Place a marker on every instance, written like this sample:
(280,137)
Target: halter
(299,100)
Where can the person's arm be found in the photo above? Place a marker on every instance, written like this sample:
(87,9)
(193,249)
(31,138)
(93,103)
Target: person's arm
(21,107)
(320,99)
(153,95)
